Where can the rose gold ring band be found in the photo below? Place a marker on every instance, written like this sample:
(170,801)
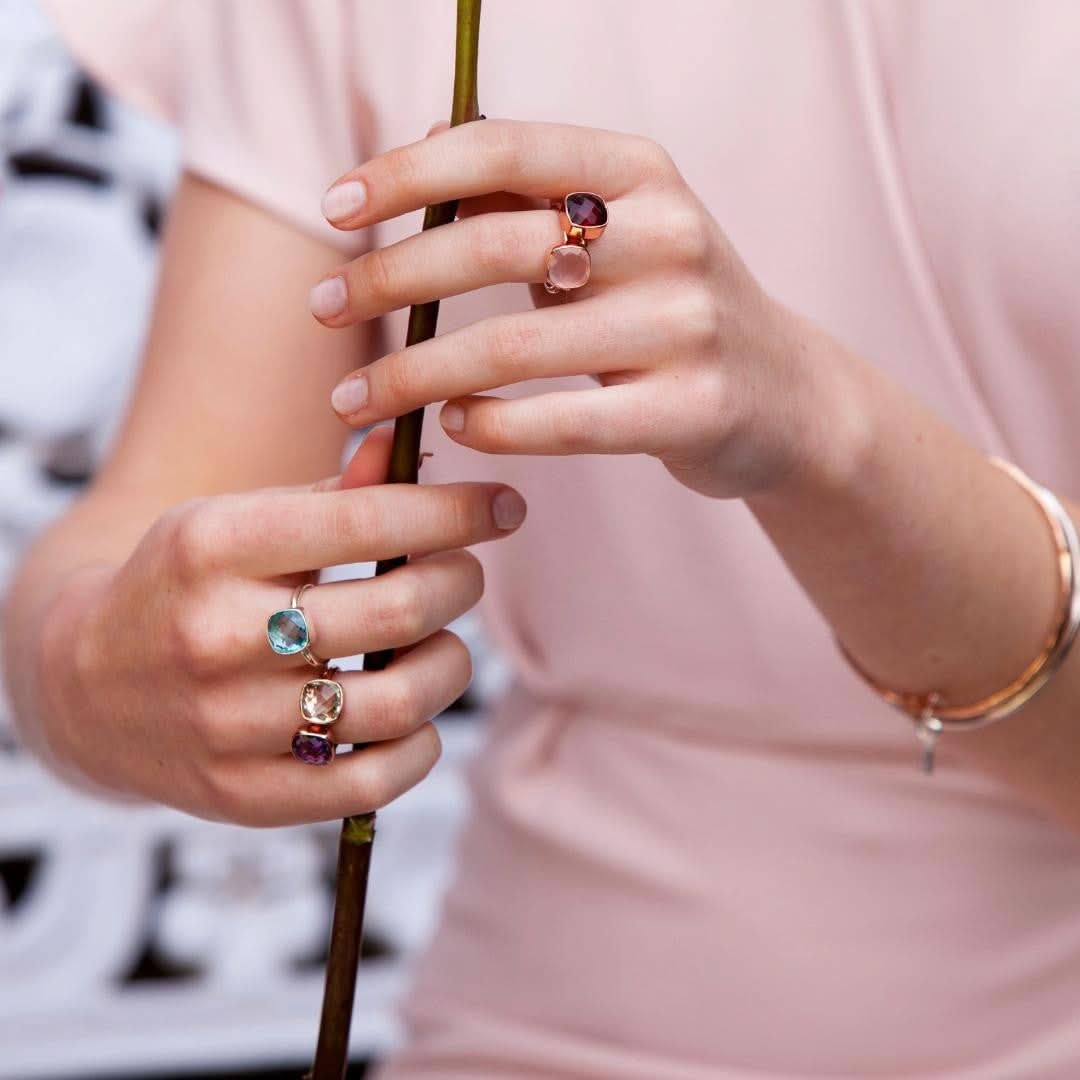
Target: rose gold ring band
(583,217)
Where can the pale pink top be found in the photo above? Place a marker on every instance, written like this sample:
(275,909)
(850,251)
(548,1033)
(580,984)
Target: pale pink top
(701,849)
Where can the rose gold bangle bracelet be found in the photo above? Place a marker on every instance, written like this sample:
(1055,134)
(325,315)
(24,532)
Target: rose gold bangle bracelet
(931,713)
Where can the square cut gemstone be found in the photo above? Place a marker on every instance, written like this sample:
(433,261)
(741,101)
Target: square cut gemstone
(287,631)
(586,210)
(568,266)
(321,700)
(312,748)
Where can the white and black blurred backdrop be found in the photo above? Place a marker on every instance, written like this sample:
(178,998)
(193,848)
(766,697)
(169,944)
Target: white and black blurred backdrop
(138,942)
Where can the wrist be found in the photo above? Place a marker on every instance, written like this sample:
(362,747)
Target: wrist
(53,692)
(829,429)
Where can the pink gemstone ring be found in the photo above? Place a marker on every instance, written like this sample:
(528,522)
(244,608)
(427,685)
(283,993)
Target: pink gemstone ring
(583,217)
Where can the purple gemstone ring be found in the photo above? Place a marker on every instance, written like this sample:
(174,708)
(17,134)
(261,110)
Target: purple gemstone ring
(321,702)
(583,217)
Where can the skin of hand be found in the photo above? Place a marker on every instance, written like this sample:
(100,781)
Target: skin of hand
(182,700)
(685,344)
(932,566)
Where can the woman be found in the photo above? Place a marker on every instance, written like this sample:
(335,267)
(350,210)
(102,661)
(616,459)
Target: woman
(835,279)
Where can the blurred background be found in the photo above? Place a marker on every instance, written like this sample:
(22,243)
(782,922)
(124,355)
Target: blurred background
(135,941)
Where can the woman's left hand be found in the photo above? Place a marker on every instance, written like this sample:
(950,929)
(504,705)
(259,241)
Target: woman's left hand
(697,365)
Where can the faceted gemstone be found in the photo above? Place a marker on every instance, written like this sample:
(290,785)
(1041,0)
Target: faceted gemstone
(321,700)
(312,749)
(586,210)
(568,266)
(287,631)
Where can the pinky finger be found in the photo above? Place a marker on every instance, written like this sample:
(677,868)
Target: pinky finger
(625,418)
(282,791)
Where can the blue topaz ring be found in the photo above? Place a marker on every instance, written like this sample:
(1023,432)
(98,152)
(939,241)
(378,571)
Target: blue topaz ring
(321,702)
(290,632)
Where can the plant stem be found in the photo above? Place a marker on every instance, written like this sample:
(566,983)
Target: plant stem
(358,832)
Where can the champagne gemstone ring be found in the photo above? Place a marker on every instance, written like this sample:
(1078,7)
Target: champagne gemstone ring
(583,217)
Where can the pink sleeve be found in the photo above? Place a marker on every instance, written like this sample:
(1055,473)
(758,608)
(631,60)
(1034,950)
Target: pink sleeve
(263,94)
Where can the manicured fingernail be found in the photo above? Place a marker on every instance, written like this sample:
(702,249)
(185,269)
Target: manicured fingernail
(452,418)
(350,395)
(328,298)
(344,201)
(508,509)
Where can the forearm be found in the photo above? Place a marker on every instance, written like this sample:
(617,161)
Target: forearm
(231,397)
(933,567)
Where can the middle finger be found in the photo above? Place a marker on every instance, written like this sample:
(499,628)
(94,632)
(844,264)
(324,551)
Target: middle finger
(593,336)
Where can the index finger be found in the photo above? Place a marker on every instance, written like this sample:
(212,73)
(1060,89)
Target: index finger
(527,158)
(271,534)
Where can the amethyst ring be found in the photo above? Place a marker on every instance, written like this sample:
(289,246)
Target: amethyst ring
(583,217)
(321,702)
(289,630)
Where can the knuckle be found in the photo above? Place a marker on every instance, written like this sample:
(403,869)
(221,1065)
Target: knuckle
(472,570)
(378,278)
(400,706)
(355,514)
(696,319)
(405,610)
(192,537)
(224,798)
(378,789)
(495,249)
(386,782)
(513,343)
(462,663)
(464,513)
(200,647)
(711,389)
(576,431)
(396,378)
(430,745)
(202,722)
(400,170)
(505,141)
(211,715)
(687,235)
(653,160)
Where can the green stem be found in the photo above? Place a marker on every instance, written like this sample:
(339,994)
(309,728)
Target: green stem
(358,832)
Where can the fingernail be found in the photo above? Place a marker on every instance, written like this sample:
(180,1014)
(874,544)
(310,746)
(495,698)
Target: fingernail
(452,418)
(328,298)
(344,201)
(350,395)
(508,509)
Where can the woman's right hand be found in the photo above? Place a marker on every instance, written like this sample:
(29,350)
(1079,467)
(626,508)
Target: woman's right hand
(159,680)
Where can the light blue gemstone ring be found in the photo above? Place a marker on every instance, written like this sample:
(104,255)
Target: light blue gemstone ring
(289,631)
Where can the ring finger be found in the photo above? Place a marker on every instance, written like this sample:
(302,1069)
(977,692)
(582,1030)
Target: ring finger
(376,705)
(485,249)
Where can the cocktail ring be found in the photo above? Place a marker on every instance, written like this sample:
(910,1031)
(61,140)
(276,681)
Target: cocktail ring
(289,631)
(321,702)
(583,217)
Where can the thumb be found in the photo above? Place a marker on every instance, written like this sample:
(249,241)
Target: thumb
(371,460)
(367,466)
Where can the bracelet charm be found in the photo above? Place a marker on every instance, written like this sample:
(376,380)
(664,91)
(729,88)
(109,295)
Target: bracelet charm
(930,713)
